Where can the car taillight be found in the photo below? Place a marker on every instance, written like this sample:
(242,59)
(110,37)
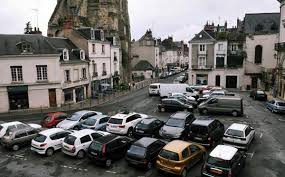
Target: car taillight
(73,149)
(122,126)
(230,173)
(42,145)
(104,149)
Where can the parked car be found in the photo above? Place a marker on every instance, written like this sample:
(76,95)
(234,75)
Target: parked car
(239,136)
(190,98)
(276,106)
(75,120)
(258,95)
(143,152)
(185,100)
(224,161)
(97,122)
(181,79)
(52,119)
(166,89)
(206,131)
(177,157)
(148,127)
(177,126)
(124,123)
(153,89)
(173,104)
(109,148)
(226,105)
(77,143)
(5,127)
(49,141)
(16,138)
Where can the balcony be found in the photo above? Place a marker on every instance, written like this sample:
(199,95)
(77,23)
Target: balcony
(280,46)
(203,67)
(95,74)
(104,73)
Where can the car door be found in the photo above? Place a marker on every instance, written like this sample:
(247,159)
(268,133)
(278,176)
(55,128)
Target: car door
(186,158)
(249,134)
(176,106)
(101,123)
(58,139)
(236,164)
(196,153)
(85,141)
(20,138)
(60,118)
(136,119)
(212,105)
(31,135)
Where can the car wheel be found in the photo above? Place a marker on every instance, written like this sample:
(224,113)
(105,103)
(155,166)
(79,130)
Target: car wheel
(205,111)
(108,163)
(130,132)
(49,152)
(81,154)
(184,173)
(15,147)
(235,113)
(76,128)
(149,166)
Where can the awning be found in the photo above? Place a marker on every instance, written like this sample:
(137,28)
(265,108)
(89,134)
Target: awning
(17,89)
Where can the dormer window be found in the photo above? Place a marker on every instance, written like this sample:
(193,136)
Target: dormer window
(92,33)
(82,55)
(24,47)
(65,55)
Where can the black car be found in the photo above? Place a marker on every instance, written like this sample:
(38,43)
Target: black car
(206,131)
(173,104)
(107,149)
(224,161)
(177,126)
(148,127)
(143,152)
(258,95)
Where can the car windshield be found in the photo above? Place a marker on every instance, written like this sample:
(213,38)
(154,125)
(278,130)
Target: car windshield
(280,103)
(169,155)
(96,146)
(70,139)
(115,121)
(197,129)
(74,117)
(175,123)
(90,121)
(153,86)
(218,162)
(47,118)
(40,138)
(136,150)
(233,132)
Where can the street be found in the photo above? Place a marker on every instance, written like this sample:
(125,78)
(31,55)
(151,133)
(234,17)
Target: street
(266,156)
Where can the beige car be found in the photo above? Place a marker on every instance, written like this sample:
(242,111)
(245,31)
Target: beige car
(15,138)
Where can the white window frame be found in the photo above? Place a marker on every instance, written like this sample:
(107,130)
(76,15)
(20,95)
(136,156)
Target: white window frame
(234,47)
(220,47)
(42,74)
(82,55)
(202,62)
(16,73)
(65,55)
(67,79)
(103,49)
(84,73)
(203,47)
(93,48)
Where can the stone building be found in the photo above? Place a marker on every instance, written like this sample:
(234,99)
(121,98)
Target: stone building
(111,16)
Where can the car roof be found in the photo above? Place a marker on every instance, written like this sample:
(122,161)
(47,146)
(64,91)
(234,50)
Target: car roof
(148,120)
(106,139)
(124,115)
(55,113)
(15,130)
(51,131)
(176,146)
(180,115)
(228,98)
(83,112)
(224,152)
(82,132)
(145,142)
(204,121)
(98,116)
(155,84)
(11,123)
(240,127)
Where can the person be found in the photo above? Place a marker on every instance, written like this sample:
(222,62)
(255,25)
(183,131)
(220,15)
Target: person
(129,86)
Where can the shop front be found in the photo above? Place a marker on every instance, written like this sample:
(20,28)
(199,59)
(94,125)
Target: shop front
(79,94)
(18,97)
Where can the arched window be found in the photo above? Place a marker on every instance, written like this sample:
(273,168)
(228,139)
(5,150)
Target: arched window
(258,54)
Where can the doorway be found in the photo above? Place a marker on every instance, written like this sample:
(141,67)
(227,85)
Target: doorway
(231,81)
(254,81)
(218,80)
(52,97)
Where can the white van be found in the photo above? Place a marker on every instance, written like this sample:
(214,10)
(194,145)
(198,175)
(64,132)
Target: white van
(167,89)
(153,89)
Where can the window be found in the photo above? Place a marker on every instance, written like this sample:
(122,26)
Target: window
(220,62)
(76,75)
(258,54)
(104,120)
(233,47)
(84,76)
(103,48)
(41,72)
(247,131)
(220,47)
(131,118)
(65,55)
(95,135)
(95,73)
(115,56)
(104,70)
(32,132)
(93,48)
(202,62)
(194,148)
(67,76)
(17,73)
(82,55)
(25,47)
(85,139)
(92,34)
(20,135)
(202,47)
(185,153)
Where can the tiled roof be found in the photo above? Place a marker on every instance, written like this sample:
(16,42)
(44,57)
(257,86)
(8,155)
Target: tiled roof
(202,36)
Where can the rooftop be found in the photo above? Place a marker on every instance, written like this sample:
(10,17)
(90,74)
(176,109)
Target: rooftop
(144,142)
(224,152)
(240,127)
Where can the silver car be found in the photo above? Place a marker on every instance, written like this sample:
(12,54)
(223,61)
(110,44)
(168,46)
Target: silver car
(276,106)
(98,122)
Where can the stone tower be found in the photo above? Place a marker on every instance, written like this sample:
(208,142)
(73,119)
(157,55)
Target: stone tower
(110,15)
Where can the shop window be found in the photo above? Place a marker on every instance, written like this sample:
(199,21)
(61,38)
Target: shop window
(16,73)
(68,95)
(41,72)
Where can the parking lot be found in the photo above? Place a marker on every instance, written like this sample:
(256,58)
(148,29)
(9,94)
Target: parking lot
(266,156)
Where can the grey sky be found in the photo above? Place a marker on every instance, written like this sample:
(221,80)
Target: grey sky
(178,18)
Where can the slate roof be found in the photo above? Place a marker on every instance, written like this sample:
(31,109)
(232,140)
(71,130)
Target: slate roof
(86,33)
(269,23)
(38,43)
(143,65)
(202,36)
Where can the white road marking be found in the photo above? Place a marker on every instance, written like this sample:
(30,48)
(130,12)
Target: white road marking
(281,120)
(74,168)
(261,134)
(21,156)
(113,172)
(250,154)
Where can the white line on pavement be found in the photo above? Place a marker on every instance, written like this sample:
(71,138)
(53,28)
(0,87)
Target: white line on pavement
(113,172)
(74,168)
(261,134)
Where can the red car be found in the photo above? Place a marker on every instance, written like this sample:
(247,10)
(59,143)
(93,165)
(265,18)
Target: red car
(52,119)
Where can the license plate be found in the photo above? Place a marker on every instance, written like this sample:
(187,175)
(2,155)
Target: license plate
(140,131)
(197,138)
(113,126)
(216,171)
(94,153)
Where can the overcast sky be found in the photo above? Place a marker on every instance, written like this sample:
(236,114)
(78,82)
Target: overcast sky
(178,18)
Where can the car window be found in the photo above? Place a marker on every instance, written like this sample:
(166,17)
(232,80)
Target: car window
(198,129)
(131,118)
(166,101)
(218,162)
(169,155)
(185,153)
(95,135)
(247,131)
(194,148)
(233,132)
(22,126)
(188,89)
(91,114)
(70,139)
(54,137)
(103,120)
(90,122)
(21,134)
(85,139)
(174,102)
(62,134)
(11,127)
(115,121)
(61,117)
(175,122)
(280,103)
(137,150)
(40,138)
(32,132)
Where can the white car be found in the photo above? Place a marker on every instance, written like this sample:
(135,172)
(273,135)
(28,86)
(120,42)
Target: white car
(239,136)
(48,141)
(153,89)
(124,123)
(190,98)
(97,122)
(12,125)
(77,143)
(75,120)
